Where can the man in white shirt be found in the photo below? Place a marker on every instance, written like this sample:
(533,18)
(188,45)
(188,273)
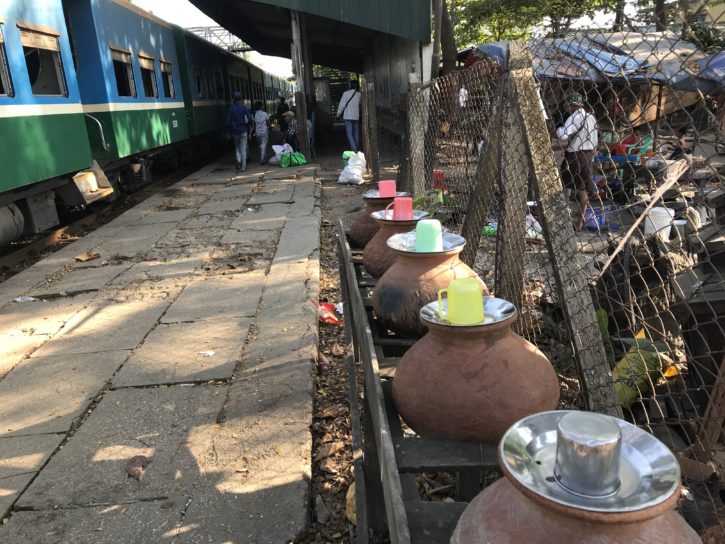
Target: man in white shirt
(579,135)
(349,109)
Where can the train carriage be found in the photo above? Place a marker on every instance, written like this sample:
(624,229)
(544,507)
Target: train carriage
(43,134)
(128,76)
(89,87)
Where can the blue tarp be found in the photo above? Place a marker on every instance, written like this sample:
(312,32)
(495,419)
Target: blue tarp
(634,57)
(712,67)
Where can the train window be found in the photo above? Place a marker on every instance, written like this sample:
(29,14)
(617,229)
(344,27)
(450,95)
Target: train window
(6,86)
(148,76)
(200,84)
(167,79)
(42,60)
(210,86)
(218,84)
(125,84)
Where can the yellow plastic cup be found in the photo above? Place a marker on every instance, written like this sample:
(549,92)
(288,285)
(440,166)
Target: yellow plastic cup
(465,302)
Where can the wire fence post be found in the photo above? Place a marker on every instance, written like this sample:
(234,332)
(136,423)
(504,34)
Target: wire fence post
(372,154)
(417,124)
(574,293)
(487,176)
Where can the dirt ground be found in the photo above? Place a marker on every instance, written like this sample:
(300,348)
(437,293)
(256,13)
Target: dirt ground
(332,452)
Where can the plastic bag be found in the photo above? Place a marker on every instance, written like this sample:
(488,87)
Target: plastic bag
(292,159)
(353,172)
(278,151)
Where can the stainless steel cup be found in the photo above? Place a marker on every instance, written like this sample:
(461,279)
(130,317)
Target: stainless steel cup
(588,454)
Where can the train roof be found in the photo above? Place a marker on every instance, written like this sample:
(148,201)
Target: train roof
(151,17)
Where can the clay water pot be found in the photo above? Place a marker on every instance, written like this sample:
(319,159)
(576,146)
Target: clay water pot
(531,504)
(414,280)
(378,257)
(364,227)
(472,382)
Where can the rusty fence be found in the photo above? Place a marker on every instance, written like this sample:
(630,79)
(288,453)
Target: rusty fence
(627,298)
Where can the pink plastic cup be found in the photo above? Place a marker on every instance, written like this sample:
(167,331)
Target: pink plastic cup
(402,208)
(386,187)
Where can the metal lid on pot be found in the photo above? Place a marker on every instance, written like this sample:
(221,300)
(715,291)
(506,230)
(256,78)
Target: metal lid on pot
(495,310)
(374,193)
(387,215)
(405,242)
(589,461)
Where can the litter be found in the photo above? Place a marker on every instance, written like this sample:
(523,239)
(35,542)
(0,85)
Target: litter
(206,353)
(25,299)
(326,312)
(339,309)
(87,256)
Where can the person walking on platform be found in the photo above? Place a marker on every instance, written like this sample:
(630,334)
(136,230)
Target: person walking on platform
(238,123)
(282,108)
(261,130)
(349,109)
(579,134)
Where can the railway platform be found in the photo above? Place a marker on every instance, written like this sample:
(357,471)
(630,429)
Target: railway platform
(162,392)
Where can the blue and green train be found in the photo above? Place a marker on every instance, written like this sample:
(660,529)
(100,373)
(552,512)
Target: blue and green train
(92,89)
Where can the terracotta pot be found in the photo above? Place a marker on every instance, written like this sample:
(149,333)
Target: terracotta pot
(472,382)
(414,280)
(378,257)
(530,505)
(502,514)
(364,227)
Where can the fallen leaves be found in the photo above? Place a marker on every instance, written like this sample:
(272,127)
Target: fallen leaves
(328,449)
(136,466)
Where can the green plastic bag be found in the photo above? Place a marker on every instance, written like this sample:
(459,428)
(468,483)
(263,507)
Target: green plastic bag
(346,156)
(292,159)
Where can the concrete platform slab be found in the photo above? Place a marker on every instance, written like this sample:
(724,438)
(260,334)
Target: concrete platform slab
(260,469)
(45,394)
(201,222)
(114,326)
(165,216)
(215,207)
(20,459)
(198,238)
(186,352)
(300,239)
(149,522)
(132,241)
(235,295)
(267,217)
(160,423)
(81,280)
(271,195)
(16,346)
(249,237)
(233,192)
(41,316)
(178,268)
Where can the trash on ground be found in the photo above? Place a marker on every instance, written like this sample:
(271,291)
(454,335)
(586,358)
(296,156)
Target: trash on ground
(206,353)
(87,256)
(136,466)
(25,299)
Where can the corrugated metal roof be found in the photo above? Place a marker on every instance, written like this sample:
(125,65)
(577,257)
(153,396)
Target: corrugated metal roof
(403,18)
(340,38)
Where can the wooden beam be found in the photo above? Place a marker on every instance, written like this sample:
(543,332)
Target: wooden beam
(488,173)
(372,153)
(571,283)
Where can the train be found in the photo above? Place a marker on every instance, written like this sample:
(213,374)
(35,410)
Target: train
(92,91)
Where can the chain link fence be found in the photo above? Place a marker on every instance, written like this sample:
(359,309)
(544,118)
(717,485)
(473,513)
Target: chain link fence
(619,280)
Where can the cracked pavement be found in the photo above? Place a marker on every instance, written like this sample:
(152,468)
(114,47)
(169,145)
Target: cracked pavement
(191,341)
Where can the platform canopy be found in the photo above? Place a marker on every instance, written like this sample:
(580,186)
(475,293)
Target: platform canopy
(339,31)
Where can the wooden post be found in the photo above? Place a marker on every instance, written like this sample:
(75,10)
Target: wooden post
(488,172)
(417,124)
(574,294)
(371,152)
(299,71)
(511,233)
